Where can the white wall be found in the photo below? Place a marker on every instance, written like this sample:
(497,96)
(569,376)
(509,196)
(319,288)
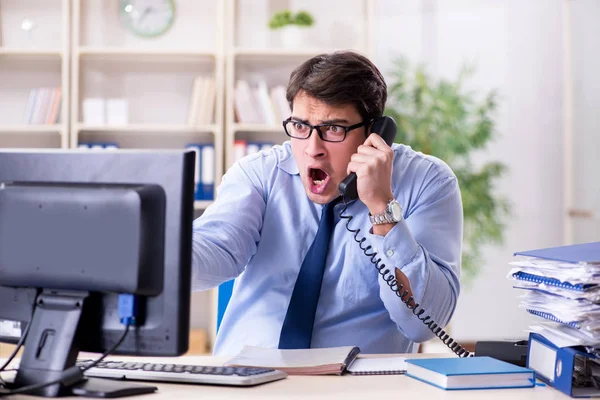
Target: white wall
(516,47)
(586,118)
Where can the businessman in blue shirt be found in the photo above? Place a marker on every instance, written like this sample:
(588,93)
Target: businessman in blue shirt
(268,208)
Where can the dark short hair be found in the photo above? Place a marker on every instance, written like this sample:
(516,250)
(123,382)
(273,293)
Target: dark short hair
(341,78)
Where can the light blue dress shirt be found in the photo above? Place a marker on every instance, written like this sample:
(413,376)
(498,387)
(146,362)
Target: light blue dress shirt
(262,224)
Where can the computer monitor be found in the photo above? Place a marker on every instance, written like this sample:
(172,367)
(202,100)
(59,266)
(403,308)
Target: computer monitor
(81,230)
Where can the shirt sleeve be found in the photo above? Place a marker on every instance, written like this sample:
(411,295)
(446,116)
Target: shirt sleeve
(426,247)
(226,235)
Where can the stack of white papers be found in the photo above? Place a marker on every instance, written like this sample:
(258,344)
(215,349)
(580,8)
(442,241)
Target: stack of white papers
(577,313)
(562,285)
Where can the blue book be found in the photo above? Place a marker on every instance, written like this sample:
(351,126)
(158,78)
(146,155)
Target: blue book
(98,145)
(576,253)
(207,169)
(469,373)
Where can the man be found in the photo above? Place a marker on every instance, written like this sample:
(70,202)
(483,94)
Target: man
(267,214)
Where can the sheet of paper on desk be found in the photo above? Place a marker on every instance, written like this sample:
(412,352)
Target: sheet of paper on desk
(378,366)
(565,336)
(297,362)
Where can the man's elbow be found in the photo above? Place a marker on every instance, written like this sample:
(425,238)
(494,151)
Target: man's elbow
(433,322)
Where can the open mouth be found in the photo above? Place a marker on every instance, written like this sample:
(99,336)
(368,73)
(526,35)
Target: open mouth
(317,179)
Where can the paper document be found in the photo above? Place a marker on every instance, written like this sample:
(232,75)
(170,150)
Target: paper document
(299,362)
(565,336)
(378,366)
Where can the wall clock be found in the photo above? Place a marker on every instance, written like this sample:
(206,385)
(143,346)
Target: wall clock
(148,18)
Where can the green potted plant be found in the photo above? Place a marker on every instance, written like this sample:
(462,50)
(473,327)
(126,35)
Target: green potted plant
(291,26)
(440,117)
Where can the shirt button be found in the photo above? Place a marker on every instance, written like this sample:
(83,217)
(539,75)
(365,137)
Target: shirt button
(390,253)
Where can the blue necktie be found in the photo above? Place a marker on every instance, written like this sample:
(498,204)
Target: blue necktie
(296,332)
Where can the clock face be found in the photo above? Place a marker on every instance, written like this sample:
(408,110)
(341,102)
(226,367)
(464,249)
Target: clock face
(148,18)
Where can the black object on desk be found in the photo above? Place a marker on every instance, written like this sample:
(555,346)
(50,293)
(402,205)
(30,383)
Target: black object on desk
(514,352)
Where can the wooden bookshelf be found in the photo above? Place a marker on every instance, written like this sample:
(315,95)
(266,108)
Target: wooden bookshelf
(248,60)
(33,58)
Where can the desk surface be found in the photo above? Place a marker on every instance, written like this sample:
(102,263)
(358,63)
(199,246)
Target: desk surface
(345,387)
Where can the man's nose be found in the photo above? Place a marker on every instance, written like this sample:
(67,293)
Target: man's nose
(316,146)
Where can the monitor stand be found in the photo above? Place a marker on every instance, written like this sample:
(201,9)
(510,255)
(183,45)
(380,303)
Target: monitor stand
(97,387)
(51,350)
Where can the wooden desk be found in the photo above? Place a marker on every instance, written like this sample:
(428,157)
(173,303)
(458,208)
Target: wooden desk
(345,387)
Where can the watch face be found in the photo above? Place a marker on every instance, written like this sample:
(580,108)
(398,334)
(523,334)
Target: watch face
(395,210)
(148,18)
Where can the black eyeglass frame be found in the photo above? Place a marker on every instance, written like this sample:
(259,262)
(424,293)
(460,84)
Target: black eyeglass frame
(317,128)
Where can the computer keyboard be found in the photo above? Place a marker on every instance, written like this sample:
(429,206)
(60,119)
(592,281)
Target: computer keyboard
(177,373)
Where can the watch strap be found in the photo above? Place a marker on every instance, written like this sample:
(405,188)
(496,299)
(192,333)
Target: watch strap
(386,217)
(383,218)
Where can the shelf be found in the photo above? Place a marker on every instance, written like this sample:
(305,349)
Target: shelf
(30,129)
(144,129)
(30,53)
(113,53)
(275,54)
(258,128)
(202,204)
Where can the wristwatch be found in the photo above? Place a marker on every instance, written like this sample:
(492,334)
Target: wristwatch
(392,214)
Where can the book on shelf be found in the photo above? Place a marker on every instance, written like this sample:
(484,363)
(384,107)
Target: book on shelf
(98,146)
(242,148)
(314,361)
(204,176)
(43,106)
(245,107)
(239,149)
(202,101)
(256,104)
(264,104)
(280,103)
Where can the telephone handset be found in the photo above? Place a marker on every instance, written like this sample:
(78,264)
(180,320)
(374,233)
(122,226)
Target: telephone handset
(386,128)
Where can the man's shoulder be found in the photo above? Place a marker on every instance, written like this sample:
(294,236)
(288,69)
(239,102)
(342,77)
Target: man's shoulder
(409,159)
(414,170)
(266,166)
(276,156)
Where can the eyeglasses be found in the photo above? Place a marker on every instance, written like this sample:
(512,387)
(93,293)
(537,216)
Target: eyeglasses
(327,132)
